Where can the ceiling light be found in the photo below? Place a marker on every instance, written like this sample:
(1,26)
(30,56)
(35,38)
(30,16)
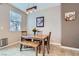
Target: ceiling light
(31,9)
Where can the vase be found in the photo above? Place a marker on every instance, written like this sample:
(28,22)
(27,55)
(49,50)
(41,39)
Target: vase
(34,33)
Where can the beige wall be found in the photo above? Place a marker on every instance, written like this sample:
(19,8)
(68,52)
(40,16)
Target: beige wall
(4,23)
(52,22)
(70,29)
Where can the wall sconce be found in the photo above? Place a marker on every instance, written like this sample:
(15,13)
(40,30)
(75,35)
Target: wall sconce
(32,9)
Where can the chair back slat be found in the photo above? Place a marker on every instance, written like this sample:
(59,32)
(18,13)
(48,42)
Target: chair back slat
(49,37)
(23,33)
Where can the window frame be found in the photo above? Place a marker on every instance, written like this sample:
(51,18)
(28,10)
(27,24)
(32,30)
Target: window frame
(18,20)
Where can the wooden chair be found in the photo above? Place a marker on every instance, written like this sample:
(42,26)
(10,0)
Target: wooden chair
(47,42)
(24,33)
(35,40)
(31,44)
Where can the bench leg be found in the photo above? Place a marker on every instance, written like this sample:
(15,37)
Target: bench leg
(21,47)
(39,48)
(36,51)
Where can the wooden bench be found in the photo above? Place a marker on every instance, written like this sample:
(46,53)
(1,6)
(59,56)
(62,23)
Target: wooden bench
(31,44)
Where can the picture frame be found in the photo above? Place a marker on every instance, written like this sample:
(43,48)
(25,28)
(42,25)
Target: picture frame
(40,21)
(70,16)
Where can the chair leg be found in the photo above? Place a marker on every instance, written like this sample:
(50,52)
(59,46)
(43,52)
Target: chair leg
(48,48)
(39,48)
(21,47)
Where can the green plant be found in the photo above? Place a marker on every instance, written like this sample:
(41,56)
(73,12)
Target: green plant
(34,30)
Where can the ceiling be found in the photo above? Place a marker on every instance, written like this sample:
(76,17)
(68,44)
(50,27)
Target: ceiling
(24,6)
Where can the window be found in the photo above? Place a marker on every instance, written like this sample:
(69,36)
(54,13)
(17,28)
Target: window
(15,21)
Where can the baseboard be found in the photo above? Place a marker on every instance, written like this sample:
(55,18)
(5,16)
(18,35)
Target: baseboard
(9,45)
(56,44)
(70,48)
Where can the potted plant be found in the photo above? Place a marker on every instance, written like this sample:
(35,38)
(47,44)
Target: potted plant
(34,30)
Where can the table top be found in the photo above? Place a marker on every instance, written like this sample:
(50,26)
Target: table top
(27,37)
(41,36)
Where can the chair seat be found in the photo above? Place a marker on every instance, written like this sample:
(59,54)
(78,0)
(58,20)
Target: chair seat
(30,43)
(28,39)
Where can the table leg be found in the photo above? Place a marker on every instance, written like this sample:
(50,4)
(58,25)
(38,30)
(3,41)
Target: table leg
(43,47)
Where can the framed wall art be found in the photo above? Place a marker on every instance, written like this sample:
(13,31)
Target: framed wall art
(40,21)
(70,16)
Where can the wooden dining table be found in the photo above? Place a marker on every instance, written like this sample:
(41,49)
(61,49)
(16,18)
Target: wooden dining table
(41,37)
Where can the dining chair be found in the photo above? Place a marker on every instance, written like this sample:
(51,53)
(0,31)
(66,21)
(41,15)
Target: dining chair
(31,44)
(47,42)
(24,33)
(35,40)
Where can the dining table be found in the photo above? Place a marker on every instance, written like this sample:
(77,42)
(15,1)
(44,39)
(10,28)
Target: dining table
(40,37)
